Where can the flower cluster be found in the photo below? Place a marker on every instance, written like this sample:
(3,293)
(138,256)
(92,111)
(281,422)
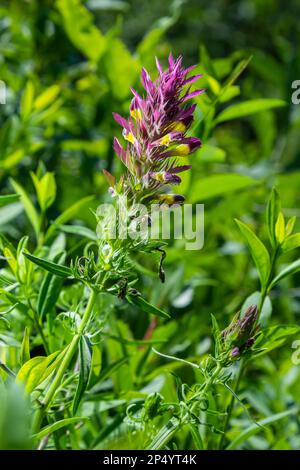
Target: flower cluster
(155,135)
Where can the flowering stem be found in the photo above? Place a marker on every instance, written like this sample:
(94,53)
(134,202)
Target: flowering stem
(40,412)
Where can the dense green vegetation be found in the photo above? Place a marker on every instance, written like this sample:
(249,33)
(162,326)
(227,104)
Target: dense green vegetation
(151,371)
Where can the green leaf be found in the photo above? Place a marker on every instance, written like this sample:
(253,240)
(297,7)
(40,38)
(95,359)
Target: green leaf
(51,428)
(272,213)
(165,434)
(50,289)
(235,74)
(85,358)
(4,200)
(258,251)
(290,225)
(217,185)
(68,214)
(32,373)
(96,365)
(10,212)
(145,306)
(27,101)
(25,347)
(256,428)
(28,206)
(291,242)
(79,26)
(79,230)
(112,368)
(45,189)
(209,153)
(216,335)
(280,228)
(248,108)
(194,429)
(46,98)
(273,337)
(121,68)
(291,269)
(57,269)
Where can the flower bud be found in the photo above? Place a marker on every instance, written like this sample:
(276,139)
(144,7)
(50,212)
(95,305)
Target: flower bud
(238,337)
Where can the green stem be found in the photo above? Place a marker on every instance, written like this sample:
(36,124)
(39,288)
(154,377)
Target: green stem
(40,412)
(231,404)
(212,378)
(175,424)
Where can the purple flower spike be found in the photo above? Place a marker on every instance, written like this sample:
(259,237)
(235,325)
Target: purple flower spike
(156,132)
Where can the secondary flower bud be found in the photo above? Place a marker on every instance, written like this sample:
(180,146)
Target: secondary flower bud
(238,337)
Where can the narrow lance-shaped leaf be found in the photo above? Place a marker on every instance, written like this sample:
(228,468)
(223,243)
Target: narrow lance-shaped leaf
(248,108)
(216,334)
(58,425)
(272,213)
(291,242)
(258,427)
(25,348)
(8,199)
(79,230)
(50,289)
(27,101)
(85,358)
(217,185)
(45,189)
(165,434)
(145,306)
(280,228)
(57,269)
(273,337)
(291,269)
(32,373)
(96,365)
(28,206)
(68,214)
(258,251)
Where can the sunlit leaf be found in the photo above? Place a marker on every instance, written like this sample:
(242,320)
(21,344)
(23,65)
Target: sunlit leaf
(291,269)
(54,268)
(258,251)
(248,108)
(217,185)
(28,206)
(51,428)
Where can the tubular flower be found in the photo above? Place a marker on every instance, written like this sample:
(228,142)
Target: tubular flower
(155,135)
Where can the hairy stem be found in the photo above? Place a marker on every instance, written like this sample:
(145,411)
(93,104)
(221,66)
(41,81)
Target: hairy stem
(40,412)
